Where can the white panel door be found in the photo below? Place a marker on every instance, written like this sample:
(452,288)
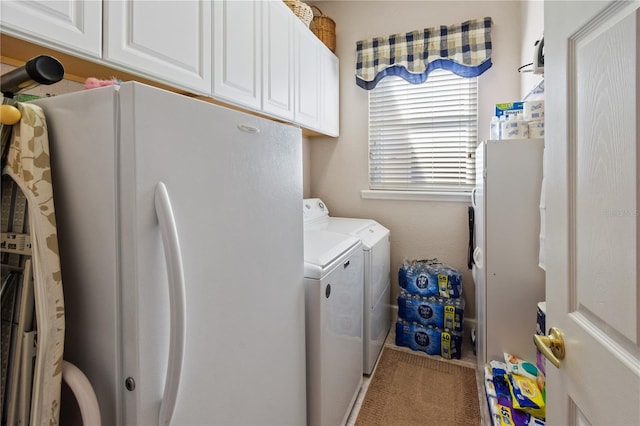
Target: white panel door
(277,59)
(237,51)
(308,81)
(330,99)
(167,41)
(70,26)
(592,178)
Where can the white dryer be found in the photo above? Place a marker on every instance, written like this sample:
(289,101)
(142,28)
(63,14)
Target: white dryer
(333,271)
(377,272)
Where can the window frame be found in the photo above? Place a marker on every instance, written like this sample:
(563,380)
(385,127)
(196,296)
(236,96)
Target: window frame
(395,138)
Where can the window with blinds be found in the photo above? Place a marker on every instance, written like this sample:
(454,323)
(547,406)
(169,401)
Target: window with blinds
(422,137)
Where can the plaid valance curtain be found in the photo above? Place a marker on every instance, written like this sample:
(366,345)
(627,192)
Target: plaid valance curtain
(464,49)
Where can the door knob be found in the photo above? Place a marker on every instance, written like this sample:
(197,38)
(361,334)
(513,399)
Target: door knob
(551,346)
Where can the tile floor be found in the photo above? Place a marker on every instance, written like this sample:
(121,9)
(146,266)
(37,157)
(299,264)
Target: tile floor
(468,359)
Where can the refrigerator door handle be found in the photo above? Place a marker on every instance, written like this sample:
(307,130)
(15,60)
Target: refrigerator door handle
(177,302)
(478,258)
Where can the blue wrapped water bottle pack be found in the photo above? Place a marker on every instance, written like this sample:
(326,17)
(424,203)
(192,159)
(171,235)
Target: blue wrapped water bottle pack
(434,310)
(430,278)
(428,339)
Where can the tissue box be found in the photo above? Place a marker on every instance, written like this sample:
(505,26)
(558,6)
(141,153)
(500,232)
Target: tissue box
(533,110)
(514,129)
(435,311)
(430,278)
(536,129)
(430,340)
(509,108)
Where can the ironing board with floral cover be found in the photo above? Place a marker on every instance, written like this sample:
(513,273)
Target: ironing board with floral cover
(27,196)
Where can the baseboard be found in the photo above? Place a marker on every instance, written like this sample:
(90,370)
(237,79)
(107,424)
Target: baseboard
(394,314)
(469,323)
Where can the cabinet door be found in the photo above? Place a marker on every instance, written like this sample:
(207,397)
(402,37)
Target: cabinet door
(237,51)
(167,41)
(308,83)
(277,60)
(70,26)
(329,96)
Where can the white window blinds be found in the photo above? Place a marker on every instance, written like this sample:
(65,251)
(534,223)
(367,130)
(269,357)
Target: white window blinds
(422,137)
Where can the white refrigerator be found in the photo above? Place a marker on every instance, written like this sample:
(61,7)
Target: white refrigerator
(509,283)
(181,245)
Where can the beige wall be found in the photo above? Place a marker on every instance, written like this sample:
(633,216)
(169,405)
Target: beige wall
(338,167)
(532,28)
(306,170)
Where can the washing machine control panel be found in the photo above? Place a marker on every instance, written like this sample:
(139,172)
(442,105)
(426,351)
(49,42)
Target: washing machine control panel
(313,209)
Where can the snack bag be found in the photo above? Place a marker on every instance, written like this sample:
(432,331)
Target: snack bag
(489,388)
(521,367)
(505,410)
(526,396)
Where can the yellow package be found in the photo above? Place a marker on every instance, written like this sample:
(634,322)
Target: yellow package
(526,395)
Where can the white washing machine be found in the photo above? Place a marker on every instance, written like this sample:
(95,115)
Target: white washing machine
(333,271)
(377,272)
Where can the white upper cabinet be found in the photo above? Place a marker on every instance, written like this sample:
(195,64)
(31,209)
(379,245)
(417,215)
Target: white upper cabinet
(267,60)
(255,54)
(167,41)
(237,69)
(317,84)
(308,83)
(277,60)
(74,27)
(330,94)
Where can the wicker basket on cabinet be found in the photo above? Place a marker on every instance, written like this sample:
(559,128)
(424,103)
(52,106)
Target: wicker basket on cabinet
(324,28)
(301,10)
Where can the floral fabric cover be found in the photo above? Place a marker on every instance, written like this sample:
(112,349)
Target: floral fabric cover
(28,164)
